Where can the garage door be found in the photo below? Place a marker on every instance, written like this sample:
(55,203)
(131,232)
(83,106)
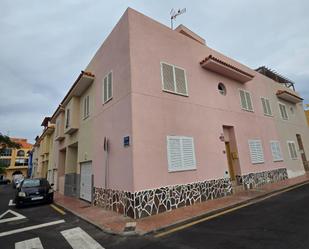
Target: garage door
(85,181)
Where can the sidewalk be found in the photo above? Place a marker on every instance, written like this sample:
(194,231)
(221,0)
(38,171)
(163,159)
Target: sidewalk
(112,222)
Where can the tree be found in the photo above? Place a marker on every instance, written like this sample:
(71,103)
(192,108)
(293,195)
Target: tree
(6,142)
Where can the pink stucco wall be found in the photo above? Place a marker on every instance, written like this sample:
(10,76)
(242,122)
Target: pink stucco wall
(113,119)
(139,108)
(157,114)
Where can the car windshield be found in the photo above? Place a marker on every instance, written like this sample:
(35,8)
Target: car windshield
(30,183)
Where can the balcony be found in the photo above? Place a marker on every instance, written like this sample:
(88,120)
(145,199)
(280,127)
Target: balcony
(288,96)
(218,66)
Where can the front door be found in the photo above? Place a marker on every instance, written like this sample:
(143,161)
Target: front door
(302,151)
(230,161)
(86,181)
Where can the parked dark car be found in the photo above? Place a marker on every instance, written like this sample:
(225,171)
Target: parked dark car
(36,190)
(5,181)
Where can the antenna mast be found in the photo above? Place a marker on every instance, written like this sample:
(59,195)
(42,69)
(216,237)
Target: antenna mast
(174,14)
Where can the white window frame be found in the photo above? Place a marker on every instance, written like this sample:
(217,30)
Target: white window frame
(271,112)
(287,116)
(112,90)
(250,155)
(292,142)
(182,168)
(246,109)
(86,106)
(174,76)
(272,152)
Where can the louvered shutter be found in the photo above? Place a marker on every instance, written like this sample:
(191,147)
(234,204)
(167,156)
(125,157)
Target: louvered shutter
(109,86)
(168,77)
(276,151)
(188,153)
(174,153)
(180,81)
(283,112)
(292,150)
(243,99)
(256,151)
(264,106)
(181,155)
(269,112)
(249,103)
(105,90)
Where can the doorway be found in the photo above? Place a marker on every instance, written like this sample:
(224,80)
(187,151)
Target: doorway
(86,181)
(229,140)
(230,161)
(302,152)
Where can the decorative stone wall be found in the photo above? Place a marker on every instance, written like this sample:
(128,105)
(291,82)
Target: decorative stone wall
(254,180)
(150,202)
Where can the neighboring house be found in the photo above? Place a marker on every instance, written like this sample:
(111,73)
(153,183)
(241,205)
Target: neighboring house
(158,120)
(44,151)
(307,115)
(35,157)
(16,160)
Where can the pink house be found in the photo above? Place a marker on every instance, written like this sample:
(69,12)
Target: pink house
(159,120)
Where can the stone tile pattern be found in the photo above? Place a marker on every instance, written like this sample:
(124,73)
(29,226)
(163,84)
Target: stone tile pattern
(150,202)
(254,180)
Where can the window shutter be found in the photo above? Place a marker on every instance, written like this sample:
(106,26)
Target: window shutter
(268,107)
(292,150)
(276,151)
(264,106)
(105,90)
(174,153)
(249,103)
(168,77)
(283,112)
(243,99)
(180,81)
(188,153)
(110,82)
(181,154)
(256,151)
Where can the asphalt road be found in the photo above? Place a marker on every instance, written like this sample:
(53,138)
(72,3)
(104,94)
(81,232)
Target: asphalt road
(279,222)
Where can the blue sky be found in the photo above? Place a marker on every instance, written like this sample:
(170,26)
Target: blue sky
(45,44)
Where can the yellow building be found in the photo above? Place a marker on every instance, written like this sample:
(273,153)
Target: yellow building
(307,115)
(16,160)
(44,147)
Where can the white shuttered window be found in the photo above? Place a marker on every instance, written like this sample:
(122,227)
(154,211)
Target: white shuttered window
(180,152)
(266,106)
(245,100)
(107,87)
(174,79)
(292,149)
(276,151)
(283,112)
(256,151)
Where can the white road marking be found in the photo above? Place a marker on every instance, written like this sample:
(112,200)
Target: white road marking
(11,203)
(29,244)
(18,216)
(19,230)
(78,239)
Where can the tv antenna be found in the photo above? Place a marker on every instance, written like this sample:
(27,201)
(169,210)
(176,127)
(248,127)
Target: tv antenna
(174,14)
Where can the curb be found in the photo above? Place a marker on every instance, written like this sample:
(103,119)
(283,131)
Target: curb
(219,210)
(102,228)
(185,221)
